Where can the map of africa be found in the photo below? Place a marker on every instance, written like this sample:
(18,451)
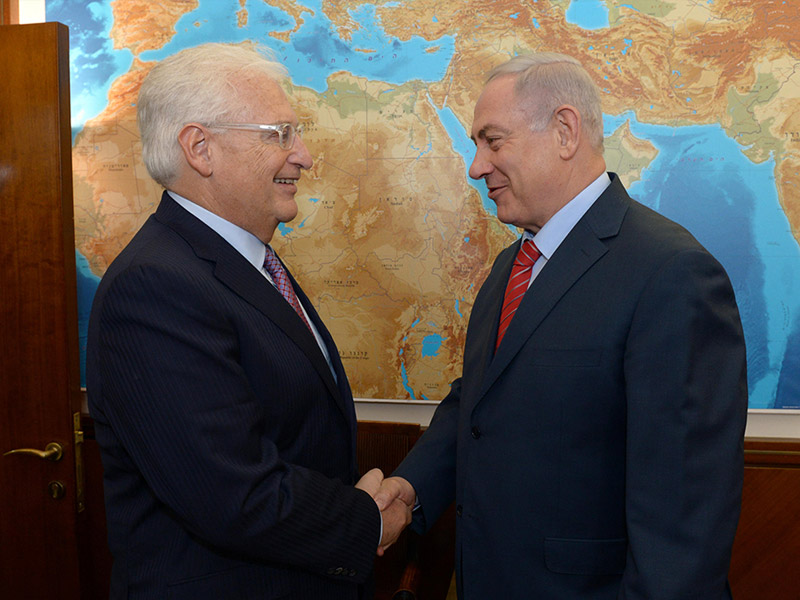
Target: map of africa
(392,241)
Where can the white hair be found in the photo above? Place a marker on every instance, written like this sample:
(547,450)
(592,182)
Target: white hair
(194,85)
(545,81)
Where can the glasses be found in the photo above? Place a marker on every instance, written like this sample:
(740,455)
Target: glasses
(282,134)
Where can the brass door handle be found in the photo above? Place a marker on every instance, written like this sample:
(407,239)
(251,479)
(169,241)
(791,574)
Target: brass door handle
(53,451)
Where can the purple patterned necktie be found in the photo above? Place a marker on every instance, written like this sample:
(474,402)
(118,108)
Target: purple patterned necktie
(517,286)
(281,279)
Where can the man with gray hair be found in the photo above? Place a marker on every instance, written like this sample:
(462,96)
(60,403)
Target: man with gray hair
(223,413)
(594,443)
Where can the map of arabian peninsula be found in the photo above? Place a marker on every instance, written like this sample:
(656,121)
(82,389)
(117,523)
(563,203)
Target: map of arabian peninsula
(392,241)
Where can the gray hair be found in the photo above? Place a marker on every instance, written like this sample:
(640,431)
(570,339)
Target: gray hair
(194,85)
(545,81)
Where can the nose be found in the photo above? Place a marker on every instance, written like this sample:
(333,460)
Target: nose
(480,167)
(300,154)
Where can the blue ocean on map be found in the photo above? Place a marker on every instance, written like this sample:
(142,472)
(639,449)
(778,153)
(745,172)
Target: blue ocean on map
(315,51)
(702,180)
(700,177)
(94,63)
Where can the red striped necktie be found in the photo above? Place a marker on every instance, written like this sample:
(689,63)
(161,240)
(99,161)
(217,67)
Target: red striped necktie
(281,279)
(517,286)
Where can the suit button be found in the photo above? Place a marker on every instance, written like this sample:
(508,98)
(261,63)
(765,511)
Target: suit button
(476,433)
(459,510)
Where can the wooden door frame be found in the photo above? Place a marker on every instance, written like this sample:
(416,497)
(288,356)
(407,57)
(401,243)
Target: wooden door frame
(9,12)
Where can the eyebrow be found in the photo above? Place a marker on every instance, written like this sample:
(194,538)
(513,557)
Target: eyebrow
(487,127)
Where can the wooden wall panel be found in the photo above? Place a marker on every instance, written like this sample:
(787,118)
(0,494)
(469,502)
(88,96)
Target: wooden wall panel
(765,554)
(764,565)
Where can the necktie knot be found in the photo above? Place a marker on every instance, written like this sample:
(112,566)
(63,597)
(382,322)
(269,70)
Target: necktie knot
(527,255)
(282,282)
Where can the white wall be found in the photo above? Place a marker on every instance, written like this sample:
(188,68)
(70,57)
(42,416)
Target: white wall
(31,11)
(760,423)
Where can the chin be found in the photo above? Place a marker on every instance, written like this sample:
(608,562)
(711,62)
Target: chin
(288,217)
(289,212)
(504,218)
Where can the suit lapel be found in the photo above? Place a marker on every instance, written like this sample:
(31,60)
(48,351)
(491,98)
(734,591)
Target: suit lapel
(344,396)
(582,247)
(491,293)
(232,269)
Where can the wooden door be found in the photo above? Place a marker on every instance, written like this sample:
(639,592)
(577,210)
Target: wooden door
(39,365)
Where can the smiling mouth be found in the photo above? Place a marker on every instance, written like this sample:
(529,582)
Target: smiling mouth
(284,180)
(493,191)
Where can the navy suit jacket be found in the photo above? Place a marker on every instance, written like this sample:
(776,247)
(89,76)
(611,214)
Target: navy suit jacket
(228,447)
(599,453)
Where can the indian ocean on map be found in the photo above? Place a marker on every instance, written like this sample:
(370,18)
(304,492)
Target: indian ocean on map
(702,105)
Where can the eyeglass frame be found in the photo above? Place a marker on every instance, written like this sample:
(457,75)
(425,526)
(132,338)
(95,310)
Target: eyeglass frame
(294,131)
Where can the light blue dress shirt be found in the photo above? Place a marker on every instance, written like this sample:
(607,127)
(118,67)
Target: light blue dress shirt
(555,231)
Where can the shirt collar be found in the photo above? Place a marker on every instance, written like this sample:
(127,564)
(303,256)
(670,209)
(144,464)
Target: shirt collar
(549,237)
(243,241)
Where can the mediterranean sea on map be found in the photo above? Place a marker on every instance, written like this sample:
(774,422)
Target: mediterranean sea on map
(694,173)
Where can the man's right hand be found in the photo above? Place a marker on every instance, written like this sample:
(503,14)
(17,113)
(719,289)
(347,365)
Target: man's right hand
(395,499)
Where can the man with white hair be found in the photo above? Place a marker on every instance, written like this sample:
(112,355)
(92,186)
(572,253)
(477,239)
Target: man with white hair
(223,413)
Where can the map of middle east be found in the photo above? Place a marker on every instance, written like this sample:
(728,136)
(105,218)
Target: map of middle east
(392,240)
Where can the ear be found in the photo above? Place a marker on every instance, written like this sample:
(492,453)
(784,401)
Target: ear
(194,141)
(568,124)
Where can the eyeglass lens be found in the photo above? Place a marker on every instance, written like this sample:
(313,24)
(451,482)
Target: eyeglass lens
(285,133)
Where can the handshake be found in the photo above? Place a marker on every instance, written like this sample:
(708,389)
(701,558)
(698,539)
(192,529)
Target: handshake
(395,498)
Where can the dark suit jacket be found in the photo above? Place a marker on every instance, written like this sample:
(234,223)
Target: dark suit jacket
(599,453)
(228,448)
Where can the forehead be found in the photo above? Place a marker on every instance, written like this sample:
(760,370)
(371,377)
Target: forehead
(499,91)
(262,99)
(496,107)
